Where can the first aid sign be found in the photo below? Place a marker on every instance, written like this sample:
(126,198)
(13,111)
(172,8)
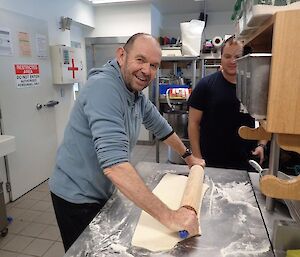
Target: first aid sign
(27,75)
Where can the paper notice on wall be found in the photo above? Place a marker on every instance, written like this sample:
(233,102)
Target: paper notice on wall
(24,44)
(5,42)
(41,46)
(27,75)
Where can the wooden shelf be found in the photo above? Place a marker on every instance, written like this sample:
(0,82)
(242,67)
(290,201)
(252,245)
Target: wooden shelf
(284,91)
(261,39)
(279,35)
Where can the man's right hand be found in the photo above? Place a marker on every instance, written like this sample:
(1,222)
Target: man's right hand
(183,219)
(127,180)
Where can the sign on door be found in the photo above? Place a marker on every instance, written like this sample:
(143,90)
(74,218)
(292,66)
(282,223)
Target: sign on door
(27,75)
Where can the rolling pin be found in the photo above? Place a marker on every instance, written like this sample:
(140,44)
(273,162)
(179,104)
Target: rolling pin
(192,193)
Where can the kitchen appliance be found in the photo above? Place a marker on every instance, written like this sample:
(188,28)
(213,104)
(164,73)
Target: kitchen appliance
(253,83)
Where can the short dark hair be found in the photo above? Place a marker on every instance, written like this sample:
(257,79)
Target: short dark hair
(131,40)
(231,40)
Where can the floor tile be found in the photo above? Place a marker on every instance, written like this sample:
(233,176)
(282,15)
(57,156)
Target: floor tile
(38,247)
(44,187)
(16,226)
(56,250)
(18,243)
(29,215)
(41,206)
(6,239)
(8,254)
(50,232)
(46,218)
(26,203)
(33,229)
(50,209)
(47,198)
(14,212)
(36,195)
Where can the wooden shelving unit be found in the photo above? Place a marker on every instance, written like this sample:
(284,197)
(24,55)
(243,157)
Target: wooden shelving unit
(280,36)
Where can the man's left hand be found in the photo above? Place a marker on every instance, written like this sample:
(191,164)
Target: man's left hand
(192,160)
(259,151)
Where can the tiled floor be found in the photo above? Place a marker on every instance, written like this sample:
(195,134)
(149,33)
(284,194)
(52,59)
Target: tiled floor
(33,230)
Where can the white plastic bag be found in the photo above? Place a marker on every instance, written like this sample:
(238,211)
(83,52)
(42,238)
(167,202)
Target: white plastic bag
(191,35)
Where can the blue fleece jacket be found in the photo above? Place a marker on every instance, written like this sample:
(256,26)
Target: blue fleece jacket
(103,128)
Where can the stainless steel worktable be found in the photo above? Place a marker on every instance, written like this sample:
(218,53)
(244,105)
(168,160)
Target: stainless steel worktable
(231,221)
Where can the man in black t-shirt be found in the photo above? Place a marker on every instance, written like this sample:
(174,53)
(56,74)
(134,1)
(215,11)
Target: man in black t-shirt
(215,117)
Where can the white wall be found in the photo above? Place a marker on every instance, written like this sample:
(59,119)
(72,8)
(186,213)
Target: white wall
(156,21)
(126,20)
(51,11)
(218,24)
(122,20)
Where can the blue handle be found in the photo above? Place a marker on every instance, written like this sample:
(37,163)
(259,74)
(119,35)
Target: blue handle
(183,234)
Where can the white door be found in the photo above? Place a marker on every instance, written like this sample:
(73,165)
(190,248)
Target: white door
(34,130)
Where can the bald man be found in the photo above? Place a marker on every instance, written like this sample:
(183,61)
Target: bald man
(104,125)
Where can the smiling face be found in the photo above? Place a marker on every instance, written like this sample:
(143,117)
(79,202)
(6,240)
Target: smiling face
(139,62)
(231,51)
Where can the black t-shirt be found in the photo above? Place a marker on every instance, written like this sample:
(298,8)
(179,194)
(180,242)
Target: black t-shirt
(221,146)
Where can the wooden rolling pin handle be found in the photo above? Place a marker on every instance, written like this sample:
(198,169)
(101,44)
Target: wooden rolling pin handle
(193,189)
(192,193)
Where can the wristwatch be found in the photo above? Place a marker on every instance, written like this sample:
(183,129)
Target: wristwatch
(187,153)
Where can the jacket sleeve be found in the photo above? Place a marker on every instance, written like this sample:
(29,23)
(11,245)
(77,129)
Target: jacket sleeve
(103,108)
(154,121)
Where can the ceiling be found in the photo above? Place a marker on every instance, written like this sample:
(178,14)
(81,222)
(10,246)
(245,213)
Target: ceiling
(181,6)
(191,6)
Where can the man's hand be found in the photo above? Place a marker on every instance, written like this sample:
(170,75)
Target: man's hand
(259,151)
(192,160)
(183,219)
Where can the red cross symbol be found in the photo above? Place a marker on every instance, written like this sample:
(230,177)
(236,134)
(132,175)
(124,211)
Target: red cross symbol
(73,69)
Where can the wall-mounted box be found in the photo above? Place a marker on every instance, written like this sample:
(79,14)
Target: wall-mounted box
(66,64)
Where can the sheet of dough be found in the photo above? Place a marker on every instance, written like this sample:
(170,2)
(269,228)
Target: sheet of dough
(151,234)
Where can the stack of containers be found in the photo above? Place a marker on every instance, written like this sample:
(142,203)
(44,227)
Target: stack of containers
(249,14)
(253,69)
(253,83)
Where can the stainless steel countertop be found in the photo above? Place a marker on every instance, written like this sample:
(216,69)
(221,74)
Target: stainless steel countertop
(231,221)
(280,212)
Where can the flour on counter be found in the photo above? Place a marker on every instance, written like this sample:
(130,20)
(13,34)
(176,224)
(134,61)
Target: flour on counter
(243,247)
(241,217)
(211,199)
(234,193)
(120,249)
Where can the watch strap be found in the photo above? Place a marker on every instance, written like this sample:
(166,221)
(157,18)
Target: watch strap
(187,153)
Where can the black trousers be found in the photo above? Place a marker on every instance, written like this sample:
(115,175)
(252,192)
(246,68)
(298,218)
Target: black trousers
(73,218)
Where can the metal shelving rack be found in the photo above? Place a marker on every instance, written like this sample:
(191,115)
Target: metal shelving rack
(174,60)
(210,61)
